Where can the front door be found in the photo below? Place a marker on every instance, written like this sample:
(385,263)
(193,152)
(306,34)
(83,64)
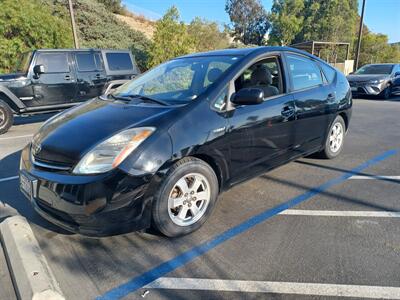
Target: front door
(57,85)
(90,74)
(261,136)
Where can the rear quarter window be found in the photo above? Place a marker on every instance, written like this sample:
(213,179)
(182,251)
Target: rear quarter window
(329,72)
(119,61)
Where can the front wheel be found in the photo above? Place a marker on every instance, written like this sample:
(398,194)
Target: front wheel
(386,93)
(335,138)
(186,197)
(6,117)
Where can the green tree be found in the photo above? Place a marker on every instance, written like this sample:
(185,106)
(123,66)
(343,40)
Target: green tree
(171,39)
(287,21)
(331,20)
(114,6)
(26,25)
(207,36)
(249,20)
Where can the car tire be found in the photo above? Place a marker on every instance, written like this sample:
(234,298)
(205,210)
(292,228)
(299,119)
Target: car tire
(6,117)
(334,140)
(386,93)
(176,211)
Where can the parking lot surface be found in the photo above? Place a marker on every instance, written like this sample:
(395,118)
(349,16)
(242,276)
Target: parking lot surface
(339,237)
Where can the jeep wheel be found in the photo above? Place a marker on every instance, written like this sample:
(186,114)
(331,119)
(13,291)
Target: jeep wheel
(6,117)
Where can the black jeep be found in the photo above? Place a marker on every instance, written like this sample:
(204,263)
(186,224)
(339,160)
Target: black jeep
(51,80)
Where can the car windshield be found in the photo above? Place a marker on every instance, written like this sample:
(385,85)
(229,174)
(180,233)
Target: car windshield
(178,81)
(374,69)
(23,63)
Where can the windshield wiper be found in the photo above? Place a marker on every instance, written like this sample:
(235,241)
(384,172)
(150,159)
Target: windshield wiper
(137,96)
(148,99)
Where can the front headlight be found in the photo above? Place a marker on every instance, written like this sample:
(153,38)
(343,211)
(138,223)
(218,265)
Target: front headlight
(110,153)
(376,81)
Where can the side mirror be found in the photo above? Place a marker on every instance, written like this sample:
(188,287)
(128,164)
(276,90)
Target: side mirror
(248,96)
(38,70)
(351,73)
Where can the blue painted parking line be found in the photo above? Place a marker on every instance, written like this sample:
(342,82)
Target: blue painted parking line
(189,255)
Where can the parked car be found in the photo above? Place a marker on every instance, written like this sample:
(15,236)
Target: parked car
(162,147)
(54,79)
(375,79)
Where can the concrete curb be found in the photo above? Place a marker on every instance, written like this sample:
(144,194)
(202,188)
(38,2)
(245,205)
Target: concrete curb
(31,274)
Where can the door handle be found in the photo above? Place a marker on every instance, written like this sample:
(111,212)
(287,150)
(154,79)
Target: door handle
(67,77)
(97,76)
(288,111)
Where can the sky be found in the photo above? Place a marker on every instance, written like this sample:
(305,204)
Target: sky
(381,16)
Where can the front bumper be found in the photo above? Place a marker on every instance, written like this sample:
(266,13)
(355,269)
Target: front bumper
(96,205)
(365,88)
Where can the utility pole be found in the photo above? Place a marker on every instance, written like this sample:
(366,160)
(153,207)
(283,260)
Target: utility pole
(71,11)
(359,36)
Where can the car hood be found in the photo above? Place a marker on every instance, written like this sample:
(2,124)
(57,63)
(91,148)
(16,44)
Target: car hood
(356,78)
(66,137)
(11,77)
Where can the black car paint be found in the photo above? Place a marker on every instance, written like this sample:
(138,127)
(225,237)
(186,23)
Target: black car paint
(238,143)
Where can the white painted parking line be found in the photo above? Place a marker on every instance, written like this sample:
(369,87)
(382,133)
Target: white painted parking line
(296,288)
(341,213)
(16,137)
(8,178)
(378,177)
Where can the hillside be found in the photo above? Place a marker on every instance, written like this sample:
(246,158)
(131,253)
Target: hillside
(138,23)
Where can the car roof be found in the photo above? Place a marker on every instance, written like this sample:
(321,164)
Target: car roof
(245,51)
(382,64)
(80,50)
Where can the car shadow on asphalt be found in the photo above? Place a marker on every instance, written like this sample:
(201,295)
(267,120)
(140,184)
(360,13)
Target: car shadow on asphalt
(308,163)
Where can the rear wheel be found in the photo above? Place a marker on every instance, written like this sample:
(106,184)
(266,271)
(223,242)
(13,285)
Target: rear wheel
(186,197)
(6,117)
(335,138)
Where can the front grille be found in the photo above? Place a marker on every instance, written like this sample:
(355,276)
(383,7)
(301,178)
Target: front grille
(50,165)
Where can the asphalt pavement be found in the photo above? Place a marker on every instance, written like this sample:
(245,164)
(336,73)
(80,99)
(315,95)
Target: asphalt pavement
(307,230)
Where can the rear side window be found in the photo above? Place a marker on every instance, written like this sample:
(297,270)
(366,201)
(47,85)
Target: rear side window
(54,62)
(85,62)
(119,61)
(329,72)
(303,72)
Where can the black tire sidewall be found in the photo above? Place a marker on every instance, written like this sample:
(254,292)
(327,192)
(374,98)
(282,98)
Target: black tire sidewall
(327,151)
(8,117)
(161,218)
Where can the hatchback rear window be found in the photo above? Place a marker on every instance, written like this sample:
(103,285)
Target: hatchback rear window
(119,61)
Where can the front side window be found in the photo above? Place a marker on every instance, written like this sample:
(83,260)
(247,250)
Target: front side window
(119,61)
(179,80)
(85,62)
(303,72)
(54,62)
(264,75)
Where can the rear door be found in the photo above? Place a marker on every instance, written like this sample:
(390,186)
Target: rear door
(312,98)
(90,73)
(57,85)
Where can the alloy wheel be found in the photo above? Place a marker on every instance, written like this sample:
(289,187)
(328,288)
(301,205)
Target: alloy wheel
(189,199)
(336,137)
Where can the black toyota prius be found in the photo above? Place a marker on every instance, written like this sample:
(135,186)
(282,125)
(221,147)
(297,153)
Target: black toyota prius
(158,150)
